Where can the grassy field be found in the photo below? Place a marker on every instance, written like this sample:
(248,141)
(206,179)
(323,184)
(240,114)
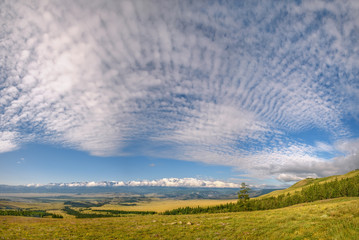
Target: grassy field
(161,205)
(329,219)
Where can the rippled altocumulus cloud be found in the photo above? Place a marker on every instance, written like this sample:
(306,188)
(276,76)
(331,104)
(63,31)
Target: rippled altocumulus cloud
(218,83)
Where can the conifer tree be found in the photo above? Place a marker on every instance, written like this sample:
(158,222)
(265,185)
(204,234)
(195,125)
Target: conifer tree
(244,192)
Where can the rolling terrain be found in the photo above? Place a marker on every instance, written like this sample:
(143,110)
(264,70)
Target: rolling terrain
(109,217)
(328,219)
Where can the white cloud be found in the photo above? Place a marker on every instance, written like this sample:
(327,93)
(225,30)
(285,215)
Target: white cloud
(321,146)
(164,182)
(288,177)
(8,141)
(300,163)
(284,177)
(350,146)
(220,84)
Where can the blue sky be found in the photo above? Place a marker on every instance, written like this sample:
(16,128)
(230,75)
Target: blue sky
(265,92)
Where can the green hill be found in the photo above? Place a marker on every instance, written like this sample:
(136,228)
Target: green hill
(308,190)
(308,182)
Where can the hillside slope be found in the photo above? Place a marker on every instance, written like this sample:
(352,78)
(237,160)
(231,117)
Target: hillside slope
(308,182)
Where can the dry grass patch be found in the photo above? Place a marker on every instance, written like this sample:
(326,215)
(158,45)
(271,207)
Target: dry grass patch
(161,205)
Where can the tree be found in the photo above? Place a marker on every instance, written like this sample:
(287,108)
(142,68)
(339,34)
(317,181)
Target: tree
(243,194)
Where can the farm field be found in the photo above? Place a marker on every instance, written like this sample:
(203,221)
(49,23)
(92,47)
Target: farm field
(327,219)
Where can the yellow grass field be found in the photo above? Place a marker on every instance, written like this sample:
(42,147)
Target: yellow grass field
(161,205)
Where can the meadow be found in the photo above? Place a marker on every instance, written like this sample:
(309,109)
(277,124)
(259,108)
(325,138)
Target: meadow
(326,219)
(114,216)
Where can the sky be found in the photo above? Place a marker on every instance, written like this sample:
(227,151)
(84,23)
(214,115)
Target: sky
(262,92)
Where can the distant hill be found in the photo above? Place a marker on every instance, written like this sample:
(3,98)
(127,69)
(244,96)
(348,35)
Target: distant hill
(161,192)
(307,182)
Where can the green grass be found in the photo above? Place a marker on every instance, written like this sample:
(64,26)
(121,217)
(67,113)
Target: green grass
(329,219)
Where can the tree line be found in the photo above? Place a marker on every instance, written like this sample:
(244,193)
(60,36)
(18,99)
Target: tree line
(29,213)
(109,213)
(127,212)
(347,187)
(85,204)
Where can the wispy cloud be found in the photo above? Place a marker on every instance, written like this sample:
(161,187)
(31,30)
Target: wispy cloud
(20,161)
(218,83)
